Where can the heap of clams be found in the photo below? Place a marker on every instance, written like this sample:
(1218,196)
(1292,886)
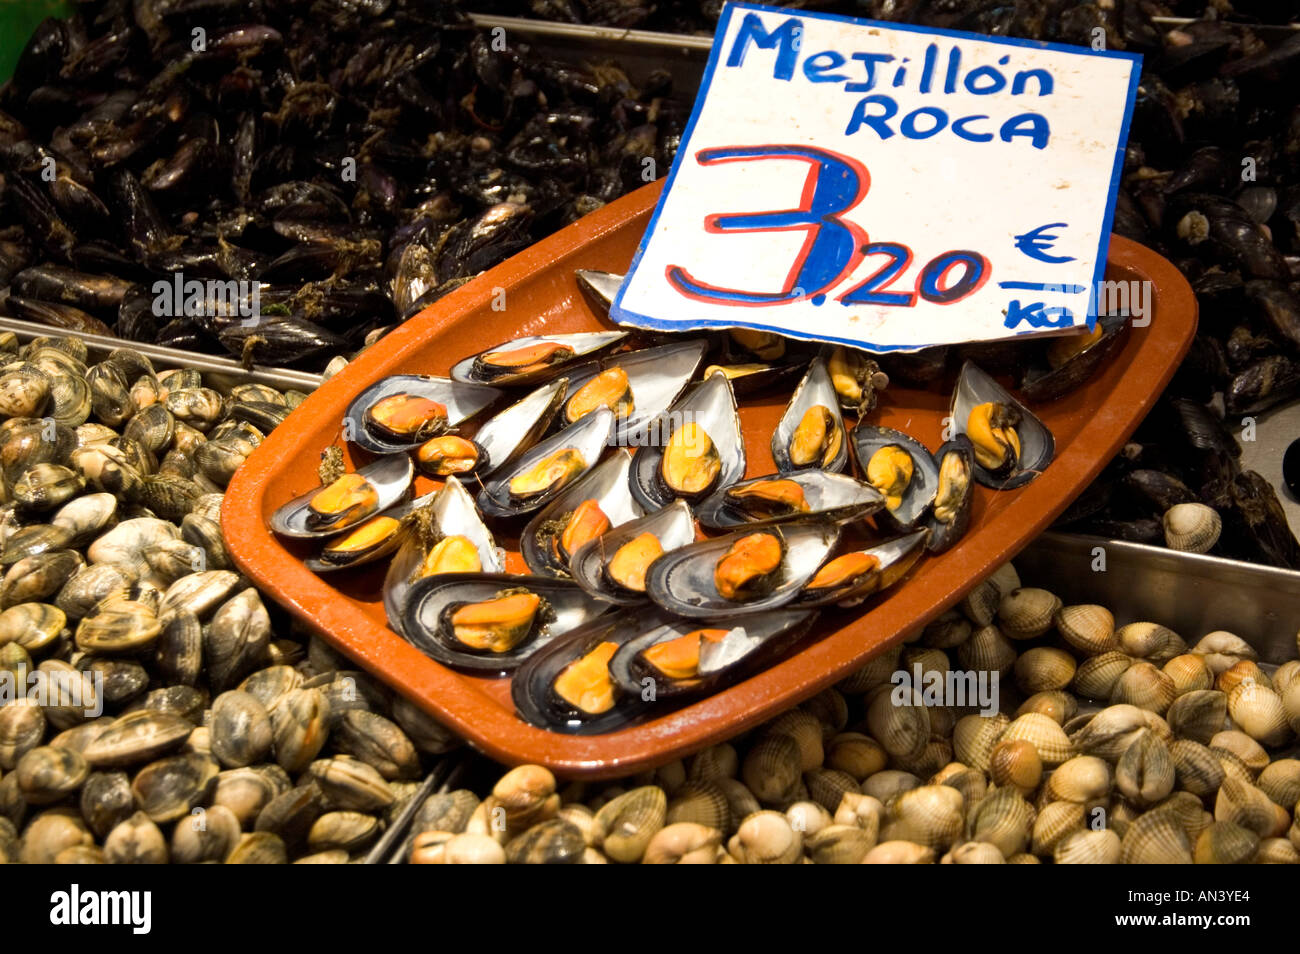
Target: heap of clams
(558,499)
(184,719)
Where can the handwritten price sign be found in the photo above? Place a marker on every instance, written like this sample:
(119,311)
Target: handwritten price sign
(886,187)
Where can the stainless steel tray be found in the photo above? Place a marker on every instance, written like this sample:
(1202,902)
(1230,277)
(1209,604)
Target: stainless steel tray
(221,373)
(1190,593)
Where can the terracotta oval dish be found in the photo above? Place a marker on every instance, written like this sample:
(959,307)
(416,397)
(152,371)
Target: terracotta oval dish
(542,297)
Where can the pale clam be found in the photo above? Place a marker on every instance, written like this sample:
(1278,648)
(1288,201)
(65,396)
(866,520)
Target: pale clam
(1225,843)
(1145,686)
(1027,612)
(1277,851)
(899,722)
(975,736)
(1198,714)
(683,843)
(1156,838)
(1003,818)
(1280,781)
(702,803)
(873,673)
(930,815)
(1245,805)
(1145,772)
(974,853)
(899,853)
(1150,641)
(1245,748)
(766,838)
(884,785)
(863,811)
(1088,847)
(1083,779)
(806,731)
(807,817)
(987,650)
(1096,676)
(1189,673)
(1087,627)
(772,767)
(1055,822)
(1043,668)
(716,762)
(970,782)
(1245,671)
(1056,704)
(1053,746)
(839,845)
(1192,527)
(1258,711)
(1196,768)
(1222,650)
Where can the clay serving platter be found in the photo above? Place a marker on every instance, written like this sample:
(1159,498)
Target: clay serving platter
(542,296)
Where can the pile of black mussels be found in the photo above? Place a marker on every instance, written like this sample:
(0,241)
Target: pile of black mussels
(350,162)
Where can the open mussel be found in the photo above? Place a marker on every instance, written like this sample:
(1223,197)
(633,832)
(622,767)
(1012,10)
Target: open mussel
(849,578)
(403,411)
(751,377)
(1010,445)
(900,467)
(447,535)
(1069,360)
(580,513)
(614,567)
(742,572)
(681,658)
(811,432)
(347,502)
(637,387)
(855,378)
(600,287)
(488,622)
(540,474)
(693,450)
(567,687)
(777,498)
(531,359)
(950,512)
(499,442)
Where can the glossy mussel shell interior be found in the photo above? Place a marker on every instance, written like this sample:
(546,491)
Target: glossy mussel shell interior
(684,580)
(461,401)
(915,497)
(731,649)
(1037,446)
(534,685)
(672,527)
(387,481)
(430,601)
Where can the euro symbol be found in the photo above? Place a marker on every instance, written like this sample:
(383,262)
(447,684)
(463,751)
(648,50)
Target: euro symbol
(1036,242)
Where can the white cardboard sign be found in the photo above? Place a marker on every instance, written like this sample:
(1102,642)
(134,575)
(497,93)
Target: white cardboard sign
(886,187)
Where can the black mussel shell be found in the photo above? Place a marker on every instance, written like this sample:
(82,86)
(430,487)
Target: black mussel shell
(533,685)
(944,533)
